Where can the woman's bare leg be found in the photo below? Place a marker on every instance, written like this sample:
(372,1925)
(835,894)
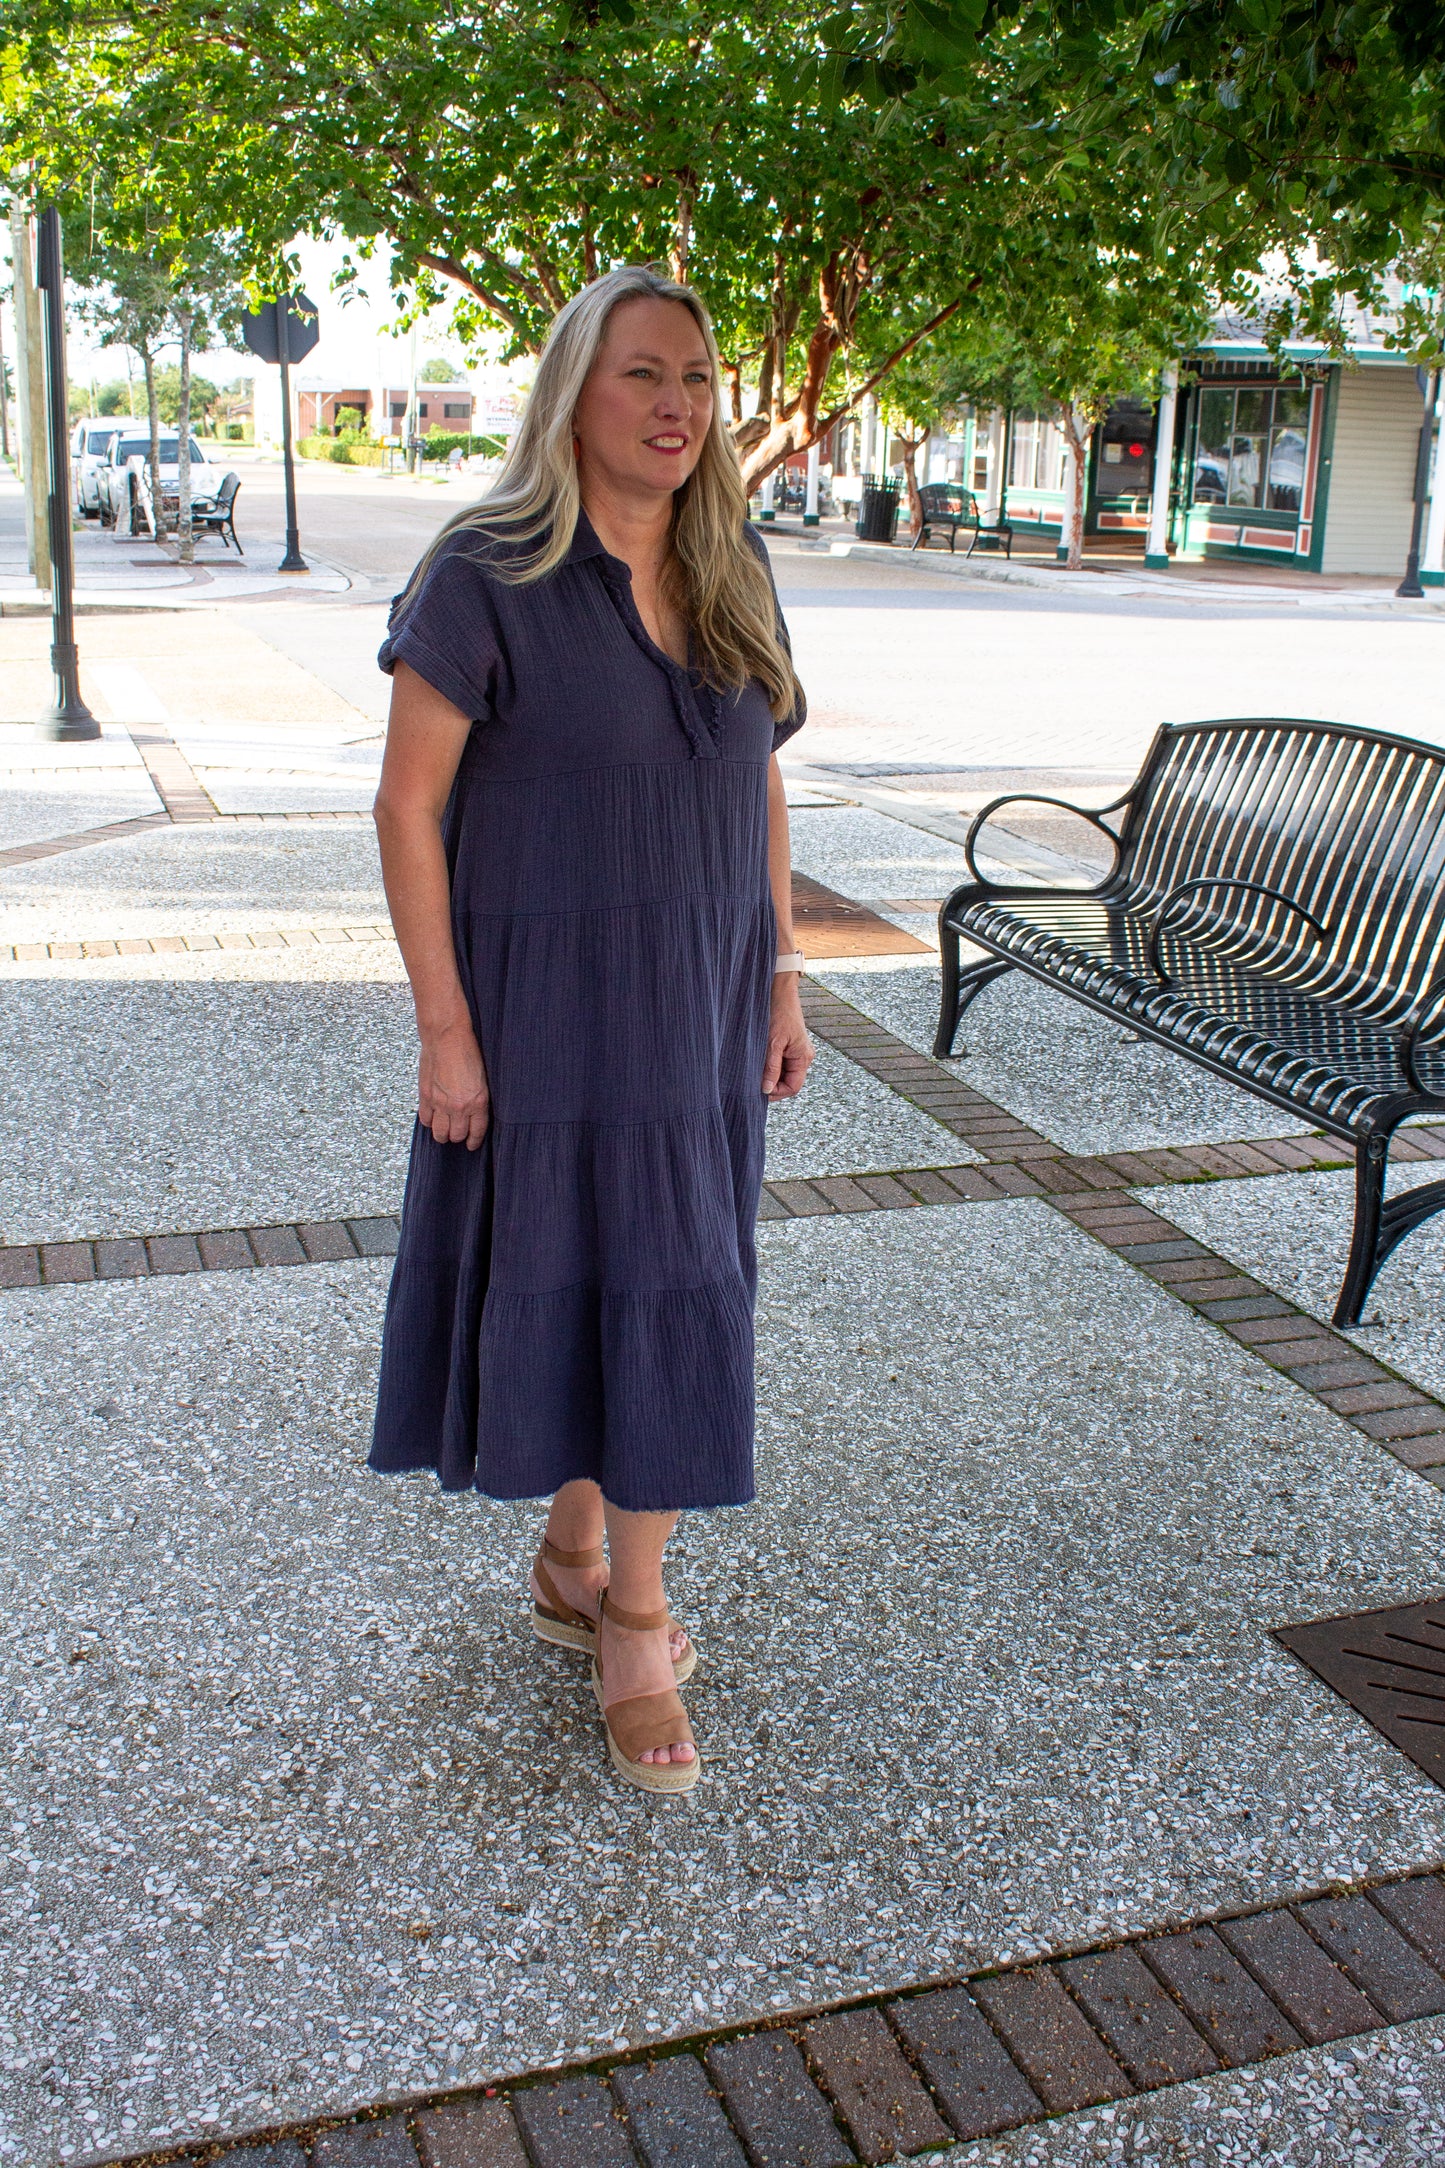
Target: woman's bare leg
(638,1663)
(575,1524)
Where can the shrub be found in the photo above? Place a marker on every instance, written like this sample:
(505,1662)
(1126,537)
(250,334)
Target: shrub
(442,442)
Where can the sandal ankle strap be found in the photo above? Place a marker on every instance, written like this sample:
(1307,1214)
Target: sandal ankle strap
(636,1622)
(571,1558)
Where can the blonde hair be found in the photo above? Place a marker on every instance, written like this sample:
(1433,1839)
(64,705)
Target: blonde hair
(717,577)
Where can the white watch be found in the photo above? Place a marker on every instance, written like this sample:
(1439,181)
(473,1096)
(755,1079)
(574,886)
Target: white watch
(790,960)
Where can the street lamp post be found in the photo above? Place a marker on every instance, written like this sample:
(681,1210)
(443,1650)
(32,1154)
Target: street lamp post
(68,719)
(293,561)
(1410,588)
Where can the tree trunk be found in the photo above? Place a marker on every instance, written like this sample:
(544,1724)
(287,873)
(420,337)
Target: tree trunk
(153,409)
(4,406)
(797,422)
(185,319)
(1077,431)
(908,449)
(681,236)
(30,388)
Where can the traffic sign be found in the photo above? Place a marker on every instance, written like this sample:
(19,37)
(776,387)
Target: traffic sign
(285,330)
(262,328)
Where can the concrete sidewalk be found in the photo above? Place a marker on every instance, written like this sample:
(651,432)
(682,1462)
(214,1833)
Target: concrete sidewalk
(125,572)
(304,1824)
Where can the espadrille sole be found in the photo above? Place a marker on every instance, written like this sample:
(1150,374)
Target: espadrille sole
(646,1776)
(562,1636)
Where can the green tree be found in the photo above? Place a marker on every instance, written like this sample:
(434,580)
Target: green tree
(168,394)
(438,370)
(507,155)
(115,397)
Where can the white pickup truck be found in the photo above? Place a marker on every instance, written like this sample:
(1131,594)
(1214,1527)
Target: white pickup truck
(123,480)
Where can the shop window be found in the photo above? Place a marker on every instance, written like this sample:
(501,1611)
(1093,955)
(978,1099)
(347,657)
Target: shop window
(1126,451)
(457,413)
(1250,446)
(1036,460)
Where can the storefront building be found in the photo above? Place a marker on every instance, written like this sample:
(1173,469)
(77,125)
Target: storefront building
(1308,463)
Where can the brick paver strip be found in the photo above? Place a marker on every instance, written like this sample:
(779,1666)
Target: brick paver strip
(1225,2001)
(480,2135)
(574,2123)
(1295,1972)
(121,1260)
(20,1267)
(662,2101)
(1049,2037)
(228,1249)
(784,2119)
(277,1245)
(287,2154)
(67,1261)
(675,2117)
(1376,1956)
(1417,1908)
(963,2059)
(862,2069)
(375,1237)
(177,785)
(1147,2030)
(326,1242)
(25,854)
(385,2143)
(194,944)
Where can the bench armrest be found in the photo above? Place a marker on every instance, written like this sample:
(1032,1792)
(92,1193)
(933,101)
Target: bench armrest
(1028,797)
(1210,880)
(1410,1032)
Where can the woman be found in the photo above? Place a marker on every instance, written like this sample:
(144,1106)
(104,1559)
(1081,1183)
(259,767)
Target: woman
(584,841)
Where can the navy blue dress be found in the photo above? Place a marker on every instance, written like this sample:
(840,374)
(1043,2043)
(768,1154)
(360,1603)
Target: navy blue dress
(576,1297)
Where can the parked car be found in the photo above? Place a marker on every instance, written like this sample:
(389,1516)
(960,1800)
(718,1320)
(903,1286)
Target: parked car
(88,441)
(123,479)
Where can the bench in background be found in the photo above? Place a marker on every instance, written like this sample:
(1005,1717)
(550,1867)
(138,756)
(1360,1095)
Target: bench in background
(1276,914)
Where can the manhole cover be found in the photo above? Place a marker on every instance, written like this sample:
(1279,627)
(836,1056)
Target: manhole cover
(1390,1666)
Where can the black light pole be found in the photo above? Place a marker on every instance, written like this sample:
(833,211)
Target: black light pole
(293,561)
(1410,588)
(69,718)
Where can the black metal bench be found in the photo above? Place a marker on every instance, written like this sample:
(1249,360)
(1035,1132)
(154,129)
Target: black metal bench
(1275,913)
(947,506)
(221,519)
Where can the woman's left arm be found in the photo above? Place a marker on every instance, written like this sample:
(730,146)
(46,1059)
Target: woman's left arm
(790,1050)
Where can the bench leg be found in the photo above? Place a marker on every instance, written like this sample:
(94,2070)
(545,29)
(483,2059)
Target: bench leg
(1381,1223)
(958,990)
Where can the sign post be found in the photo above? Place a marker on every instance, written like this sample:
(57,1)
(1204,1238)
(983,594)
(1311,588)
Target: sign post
(283,331)
(69,719)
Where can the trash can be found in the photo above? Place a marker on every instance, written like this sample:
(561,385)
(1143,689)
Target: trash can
(878,508)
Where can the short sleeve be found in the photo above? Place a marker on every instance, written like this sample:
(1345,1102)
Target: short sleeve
(447,632)
(792,722)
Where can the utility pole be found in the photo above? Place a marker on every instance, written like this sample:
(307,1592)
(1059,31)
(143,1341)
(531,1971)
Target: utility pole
(30,373)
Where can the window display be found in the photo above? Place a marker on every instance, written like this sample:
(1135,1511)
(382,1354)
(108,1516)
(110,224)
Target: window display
(1250,446)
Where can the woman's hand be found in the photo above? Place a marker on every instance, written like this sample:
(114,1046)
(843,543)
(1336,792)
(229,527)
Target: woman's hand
(453,1100)
(790,1050)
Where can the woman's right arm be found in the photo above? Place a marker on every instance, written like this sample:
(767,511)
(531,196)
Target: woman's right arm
(425,738)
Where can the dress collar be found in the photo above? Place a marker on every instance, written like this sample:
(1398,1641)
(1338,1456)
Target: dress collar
(587,543)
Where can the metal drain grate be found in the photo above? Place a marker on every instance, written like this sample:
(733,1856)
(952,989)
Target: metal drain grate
(1390,1666)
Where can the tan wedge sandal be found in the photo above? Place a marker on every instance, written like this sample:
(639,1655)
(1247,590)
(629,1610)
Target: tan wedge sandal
(642,1721)
(555,1621)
